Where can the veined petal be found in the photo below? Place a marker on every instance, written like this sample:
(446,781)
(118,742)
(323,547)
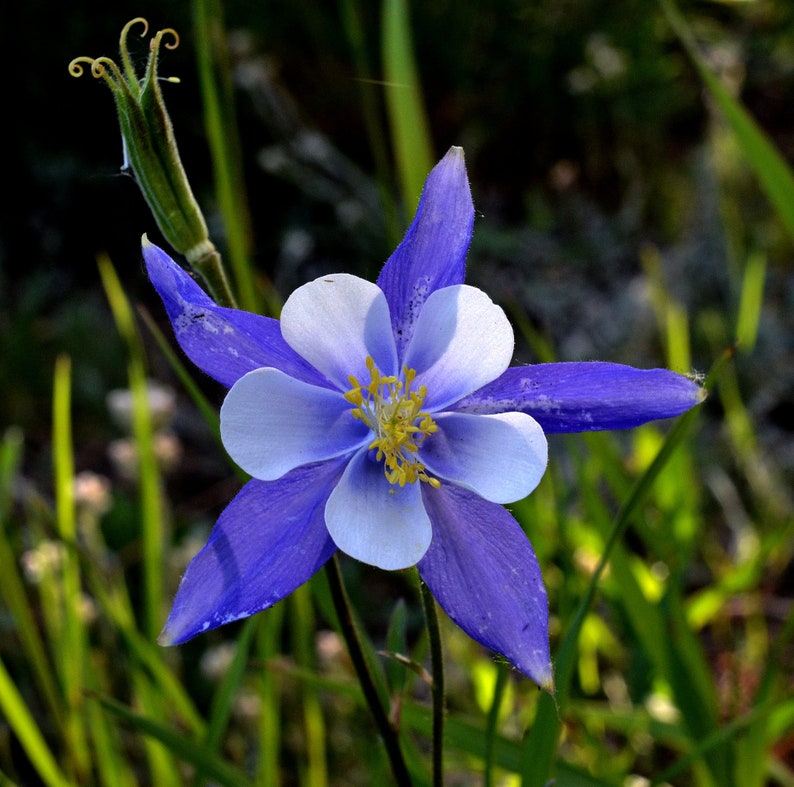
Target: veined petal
(500,457)
(272,423)
(462,340)
(583,397)
(270,540)
(374,521)
(224,343)
(433,252)
(483,571)
(335,322)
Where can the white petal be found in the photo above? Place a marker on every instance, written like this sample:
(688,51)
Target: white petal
(462,340)
(500,457)
(272,423)
(374,521)
(335,322)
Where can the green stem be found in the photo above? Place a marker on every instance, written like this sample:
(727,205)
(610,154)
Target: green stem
(210,267)
(437,664)
(491,724)
(355,649)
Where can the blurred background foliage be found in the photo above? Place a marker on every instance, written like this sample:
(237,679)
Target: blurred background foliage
(587,133)
(617,219)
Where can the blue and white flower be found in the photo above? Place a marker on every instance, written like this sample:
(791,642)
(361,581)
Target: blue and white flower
(383,420)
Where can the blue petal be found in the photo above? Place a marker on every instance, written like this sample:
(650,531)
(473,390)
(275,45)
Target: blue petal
(433,253)
(584,397)
(335,322)
(224,343)
(462,340)
(483,572)
(500,457)
(375,522)
(270,540)
(272,423)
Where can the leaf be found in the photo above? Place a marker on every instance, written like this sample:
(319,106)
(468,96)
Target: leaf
(195,753)
(410,132)
(771,169)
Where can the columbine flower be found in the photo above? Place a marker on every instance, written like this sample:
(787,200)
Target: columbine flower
(383,420)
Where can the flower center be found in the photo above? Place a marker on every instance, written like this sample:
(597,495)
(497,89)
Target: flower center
(393,412)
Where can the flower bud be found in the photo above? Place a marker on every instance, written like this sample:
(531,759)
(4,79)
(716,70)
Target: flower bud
(150,149)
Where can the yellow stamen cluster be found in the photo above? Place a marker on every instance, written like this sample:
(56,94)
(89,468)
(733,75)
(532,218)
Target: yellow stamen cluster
(393,412)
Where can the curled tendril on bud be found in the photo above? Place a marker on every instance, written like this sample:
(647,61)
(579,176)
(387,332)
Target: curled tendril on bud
(99,68)
(139,20)
(168,44)
(76,66)
(105,67)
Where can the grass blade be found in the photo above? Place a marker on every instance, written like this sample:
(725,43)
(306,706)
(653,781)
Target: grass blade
(224,697)
(194,753)
(160,753)
(153,519)
(410,131)
(113,768)
(316,772)
(771,169)
(22,723)
(270,722)
(114,600)
(222,134)
(751,302)
(12,588)
(352,19)
(722,737)
(71,646)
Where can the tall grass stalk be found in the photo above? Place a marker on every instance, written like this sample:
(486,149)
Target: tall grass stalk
(410,130)
(66,629)
(219,120)
(154,521)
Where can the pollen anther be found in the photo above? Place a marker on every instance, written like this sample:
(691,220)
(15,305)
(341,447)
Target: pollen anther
(393,412)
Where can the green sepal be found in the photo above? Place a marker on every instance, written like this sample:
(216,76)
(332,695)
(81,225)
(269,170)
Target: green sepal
(150,146)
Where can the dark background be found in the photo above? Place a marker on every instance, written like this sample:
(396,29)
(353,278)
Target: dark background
(588,138)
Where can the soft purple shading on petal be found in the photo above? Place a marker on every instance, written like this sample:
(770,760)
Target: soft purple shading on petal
(483,571)
(500,457)
(583,397)
(433,252)
(335,322)
(272,423)
(462,340)
(269,540)
(224,343)
(375,522)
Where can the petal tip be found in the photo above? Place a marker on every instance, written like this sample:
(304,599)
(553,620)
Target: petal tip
(697,383)
(538,668)
(454,163)
(546,682)
(165,639)
(155,258)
